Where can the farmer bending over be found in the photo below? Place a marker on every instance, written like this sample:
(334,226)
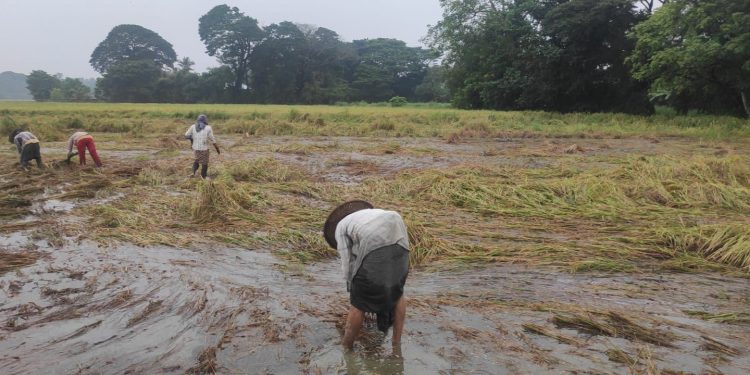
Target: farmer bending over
(374,250)
(200,134)
(28,147)
(83,141)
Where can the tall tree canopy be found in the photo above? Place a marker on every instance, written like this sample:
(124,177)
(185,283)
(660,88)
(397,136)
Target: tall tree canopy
(327,68)
(231,36)
(388,68)
(129,81)
(277,64)
(304,64)
(41,84)
(698,54)
(71,89)
(130,43)
(589,70)
(540,54)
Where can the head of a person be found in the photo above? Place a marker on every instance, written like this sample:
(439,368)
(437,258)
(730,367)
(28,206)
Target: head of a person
(13,134)
(338,213)
(202,119)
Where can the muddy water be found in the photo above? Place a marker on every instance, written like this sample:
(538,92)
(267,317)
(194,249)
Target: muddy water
(85,309)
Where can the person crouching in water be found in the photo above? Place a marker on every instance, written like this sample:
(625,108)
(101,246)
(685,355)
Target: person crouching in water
(28,147)
(200,134)
(83,141)
(374,248)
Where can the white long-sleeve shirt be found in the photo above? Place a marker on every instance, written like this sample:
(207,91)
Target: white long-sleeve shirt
(364,231)
(201,138)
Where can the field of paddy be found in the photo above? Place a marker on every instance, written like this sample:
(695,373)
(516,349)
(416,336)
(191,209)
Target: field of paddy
(541,243)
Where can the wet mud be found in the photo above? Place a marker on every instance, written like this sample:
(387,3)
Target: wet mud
(86,309)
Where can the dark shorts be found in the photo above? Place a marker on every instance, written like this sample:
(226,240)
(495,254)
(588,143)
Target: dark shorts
(379,283)
(30,152)
(201,157)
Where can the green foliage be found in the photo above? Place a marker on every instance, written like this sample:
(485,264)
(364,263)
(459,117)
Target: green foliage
(433,87)
(697,52)
(589,71)
(533,54)
(292,65)
(41,84)
(387,68)
(231,36)
(132,43)
(129,81)
(73,90)
(398,101)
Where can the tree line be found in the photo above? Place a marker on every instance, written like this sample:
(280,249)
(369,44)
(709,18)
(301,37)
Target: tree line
(284,63)
(44,86)
(556,55)
(597,55)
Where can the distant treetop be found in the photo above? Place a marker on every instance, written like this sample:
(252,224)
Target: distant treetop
(131,43)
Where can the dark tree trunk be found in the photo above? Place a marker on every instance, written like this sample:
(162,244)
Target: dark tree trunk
(745,103)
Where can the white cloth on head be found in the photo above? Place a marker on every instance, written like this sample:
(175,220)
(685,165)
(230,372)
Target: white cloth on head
(364,231)
(201,138)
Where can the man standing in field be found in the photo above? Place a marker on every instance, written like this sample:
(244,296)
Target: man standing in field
(374,248)
(83,141)
(28,147)
(200,134)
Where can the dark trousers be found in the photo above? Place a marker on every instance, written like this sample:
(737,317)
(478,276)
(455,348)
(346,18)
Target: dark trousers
(31,152)
(379,283)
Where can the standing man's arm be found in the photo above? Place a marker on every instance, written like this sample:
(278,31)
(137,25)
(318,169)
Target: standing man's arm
(189,132)
(213,140)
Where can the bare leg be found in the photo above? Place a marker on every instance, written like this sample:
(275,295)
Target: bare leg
(353,324)
(195,167)
(398,320)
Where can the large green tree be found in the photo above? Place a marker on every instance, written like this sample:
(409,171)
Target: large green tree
(589,70)
(129,81)
(539,54)
(71,90)
(434,86)
(388,68)
(231,36)
(130,43)
(496,54)
(301,64)
(41,84)
(215,85)
(697,54)
(276,64)
(328,67)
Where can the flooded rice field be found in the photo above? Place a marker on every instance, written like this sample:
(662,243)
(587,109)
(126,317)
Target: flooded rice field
(73,305)
(86,309)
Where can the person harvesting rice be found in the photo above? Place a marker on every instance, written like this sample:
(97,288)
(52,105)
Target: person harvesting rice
(83,141)
(374,248)
(200,134)
(28,147)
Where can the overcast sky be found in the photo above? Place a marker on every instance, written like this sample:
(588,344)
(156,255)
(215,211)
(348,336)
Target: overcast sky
(58,36)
